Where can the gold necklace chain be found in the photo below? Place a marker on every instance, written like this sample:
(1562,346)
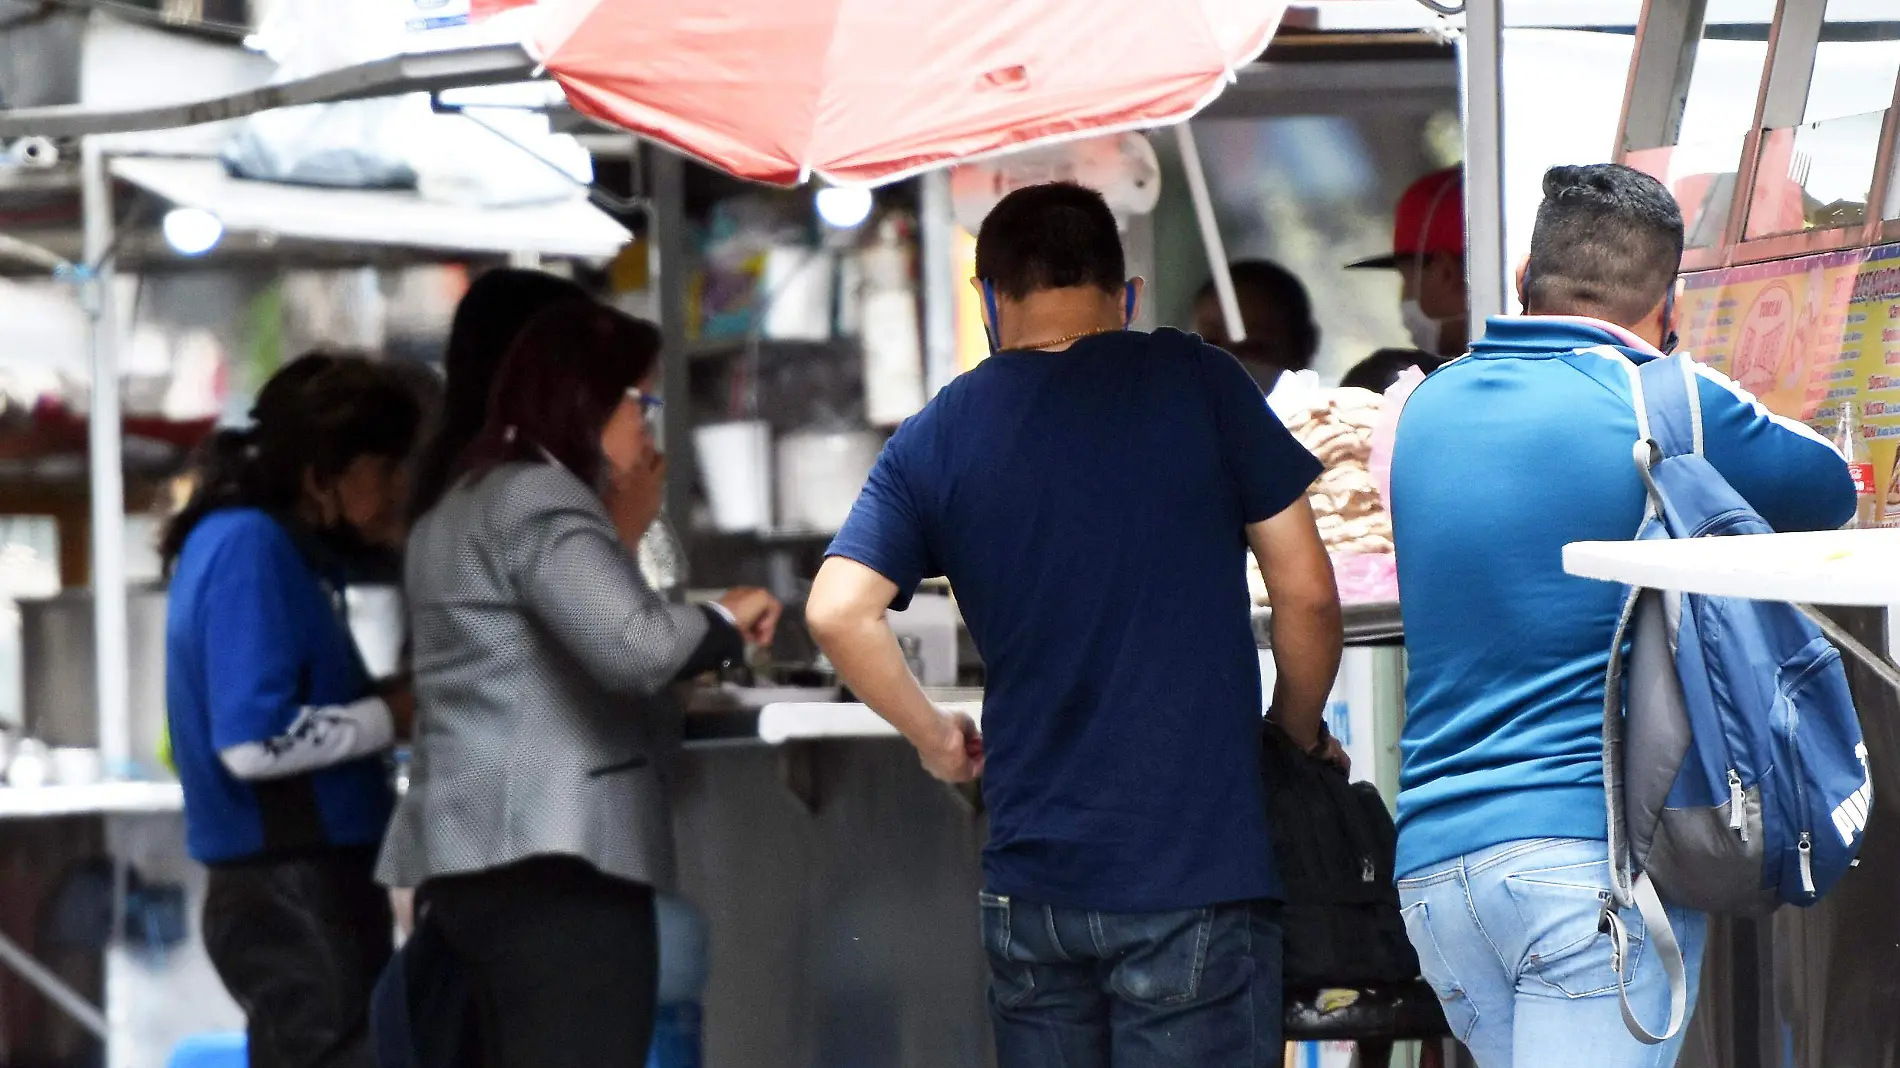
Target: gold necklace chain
(1067,338)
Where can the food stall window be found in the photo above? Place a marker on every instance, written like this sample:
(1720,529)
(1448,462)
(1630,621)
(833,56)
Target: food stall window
(1314,192)
(1718,111)
(1819,176)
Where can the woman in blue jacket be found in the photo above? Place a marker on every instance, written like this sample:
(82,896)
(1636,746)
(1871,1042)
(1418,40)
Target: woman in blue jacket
(276,728)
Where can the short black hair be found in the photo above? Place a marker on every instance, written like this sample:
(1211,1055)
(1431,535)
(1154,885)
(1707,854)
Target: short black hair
(1378,371)
(1274,284)
(1053,236)
(1608,243)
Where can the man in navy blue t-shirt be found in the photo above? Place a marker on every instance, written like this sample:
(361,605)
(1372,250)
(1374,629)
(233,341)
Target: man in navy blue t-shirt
(1090,492)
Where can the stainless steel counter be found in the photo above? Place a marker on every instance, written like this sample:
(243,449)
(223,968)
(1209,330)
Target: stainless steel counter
(1366,624)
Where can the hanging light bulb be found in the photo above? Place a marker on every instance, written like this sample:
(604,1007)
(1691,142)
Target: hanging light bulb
(192,231)
(844,209)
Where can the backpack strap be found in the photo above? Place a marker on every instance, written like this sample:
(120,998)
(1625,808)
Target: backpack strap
(1668,407)
(1674,405)
(1662,936)
(1621,864)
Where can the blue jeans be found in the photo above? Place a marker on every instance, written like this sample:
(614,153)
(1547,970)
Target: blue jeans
(1508,938)
(1071,988)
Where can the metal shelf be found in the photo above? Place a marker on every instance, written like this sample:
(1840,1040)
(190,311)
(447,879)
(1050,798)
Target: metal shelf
(1366,624)
(410,73)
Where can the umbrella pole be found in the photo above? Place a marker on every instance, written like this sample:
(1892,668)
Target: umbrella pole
(111,647)
(1210,233)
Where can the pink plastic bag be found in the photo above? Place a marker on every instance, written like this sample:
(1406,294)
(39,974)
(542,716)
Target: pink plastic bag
(1380,462)
(1366,578)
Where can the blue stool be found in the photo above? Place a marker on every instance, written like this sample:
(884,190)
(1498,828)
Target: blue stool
(223,1049)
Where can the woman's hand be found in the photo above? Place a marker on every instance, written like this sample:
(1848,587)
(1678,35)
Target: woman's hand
(634,496)
(755,611)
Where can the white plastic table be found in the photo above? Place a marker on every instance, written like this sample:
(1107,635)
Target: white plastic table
(1835,567)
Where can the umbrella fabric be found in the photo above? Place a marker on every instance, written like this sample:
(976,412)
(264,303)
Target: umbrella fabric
(868,91)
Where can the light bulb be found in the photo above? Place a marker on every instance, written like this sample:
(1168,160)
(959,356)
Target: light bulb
(192,231)
(844,209)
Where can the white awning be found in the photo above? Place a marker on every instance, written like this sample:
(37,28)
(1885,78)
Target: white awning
(401,219)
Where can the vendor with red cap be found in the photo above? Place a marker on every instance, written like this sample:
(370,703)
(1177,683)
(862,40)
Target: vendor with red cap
(1428,251)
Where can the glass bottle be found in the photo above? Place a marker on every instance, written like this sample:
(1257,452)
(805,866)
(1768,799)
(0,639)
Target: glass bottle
(1860,464)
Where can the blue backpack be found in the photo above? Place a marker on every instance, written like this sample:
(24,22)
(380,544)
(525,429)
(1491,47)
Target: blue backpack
(1733,762)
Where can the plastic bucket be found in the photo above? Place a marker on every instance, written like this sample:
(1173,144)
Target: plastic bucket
(735,465)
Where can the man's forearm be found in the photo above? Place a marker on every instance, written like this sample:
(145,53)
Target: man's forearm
(1307,641)
(869,660)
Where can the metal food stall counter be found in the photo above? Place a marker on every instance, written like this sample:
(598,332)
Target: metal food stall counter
(840,881)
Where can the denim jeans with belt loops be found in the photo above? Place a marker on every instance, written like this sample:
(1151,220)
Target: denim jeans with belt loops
(1508,938)
(1077,988)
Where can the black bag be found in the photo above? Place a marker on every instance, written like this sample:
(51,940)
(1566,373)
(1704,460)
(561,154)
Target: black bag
(1335,846)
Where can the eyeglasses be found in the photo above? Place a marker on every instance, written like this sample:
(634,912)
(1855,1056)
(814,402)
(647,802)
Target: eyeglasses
(649,403)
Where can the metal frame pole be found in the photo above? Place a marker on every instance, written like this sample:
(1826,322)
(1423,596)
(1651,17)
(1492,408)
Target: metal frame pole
(111,646)
(1480,55)
(667,253)
(936,240)
(54,988)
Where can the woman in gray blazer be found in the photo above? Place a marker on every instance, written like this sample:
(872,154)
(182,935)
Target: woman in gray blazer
(536,826)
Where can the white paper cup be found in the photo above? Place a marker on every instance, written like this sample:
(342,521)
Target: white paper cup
(735,462)
(77,765)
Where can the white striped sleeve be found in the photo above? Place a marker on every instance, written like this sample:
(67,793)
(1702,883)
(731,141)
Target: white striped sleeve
(1734,388)
(320,737)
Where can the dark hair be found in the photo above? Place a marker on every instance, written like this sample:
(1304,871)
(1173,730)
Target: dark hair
(1281,289)
(317,414)
(1378,371)
(1608,243)
(568,370)
(1052,236)
(491,313)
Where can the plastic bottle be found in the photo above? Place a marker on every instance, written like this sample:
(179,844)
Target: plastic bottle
(1860,464)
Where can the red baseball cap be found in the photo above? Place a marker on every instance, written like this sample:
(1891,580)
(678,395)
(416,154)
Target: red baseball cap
(1430,219)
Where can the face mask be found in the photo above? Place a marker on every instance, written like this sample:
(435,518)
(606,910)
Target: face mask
(1423,328)
(349,544)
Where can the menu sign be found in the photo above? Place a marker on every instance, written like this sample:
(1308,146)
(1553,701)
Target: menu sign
(1807,336)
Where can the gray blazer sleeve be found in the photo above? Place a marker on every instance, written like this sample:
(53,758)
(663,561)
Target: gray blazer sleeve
(576,579)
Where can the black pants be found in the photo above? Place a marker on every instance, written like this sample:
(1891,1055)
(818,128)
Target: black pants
(299,944)
(565,962)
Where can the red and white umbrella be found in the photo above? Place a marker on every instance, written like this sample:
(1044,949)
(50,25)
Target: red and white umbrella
(869,91)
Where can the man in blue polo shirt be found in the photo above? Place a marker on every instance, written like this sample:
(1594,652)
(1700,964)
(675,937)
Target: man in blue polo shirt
(1091,491)
(1502,458)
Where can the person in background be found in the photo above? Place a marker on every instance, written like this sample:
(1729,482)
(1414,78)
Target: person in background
(1502,826)
(1277,314)
(491,314)
(536,827)
(1378,371)
(275,731)
(1428,251)
(1090,491)
(497,305)
(493,311)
